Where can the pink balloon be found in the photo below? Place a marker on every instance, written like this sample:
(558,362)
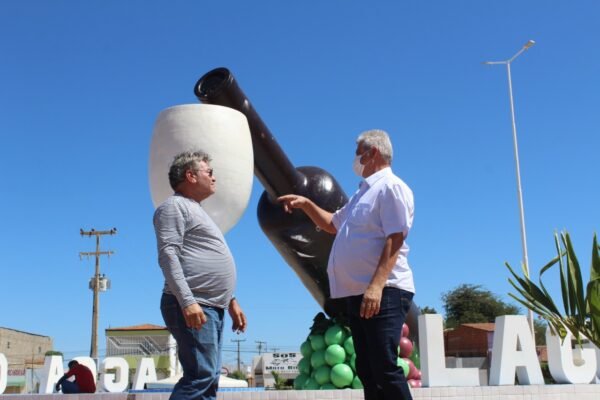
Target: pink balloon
(412,369)
(418,375)
(414,383)
(405,330)
(406,347)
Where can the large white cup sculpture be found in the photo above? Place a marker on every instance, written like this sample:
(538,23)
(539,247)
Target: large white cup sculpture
(221,132)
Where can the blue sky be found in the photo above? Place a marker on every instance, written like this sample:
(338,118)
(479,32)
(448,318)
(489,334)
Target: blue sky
(83,82)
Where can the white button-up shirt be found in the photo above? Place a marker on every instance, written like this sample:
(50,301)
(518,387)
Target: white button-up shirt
(383,205)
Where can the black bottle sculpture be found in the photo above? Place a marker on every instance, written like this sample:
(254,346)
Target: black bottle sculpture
(304,247)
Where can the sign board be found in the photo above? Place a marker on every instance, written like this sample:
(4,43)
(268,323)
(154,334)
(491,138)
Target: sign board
(280,362)
(16,377)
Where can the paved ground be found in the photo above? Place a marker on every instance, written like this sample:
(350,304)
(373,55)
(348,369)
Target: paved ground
(534,392)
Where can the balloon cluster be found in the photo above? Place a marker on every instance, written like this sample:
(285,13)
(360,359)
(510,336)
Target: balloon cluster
(408,359)
(329,361)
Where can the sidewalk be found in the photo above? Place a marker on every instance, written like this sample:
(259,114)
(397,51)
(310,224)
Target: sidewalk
(534,392)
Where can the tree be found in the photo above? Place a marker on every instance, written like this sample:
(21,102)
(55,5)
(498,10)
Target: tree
(539,327)
(239,375)
(469,303)
(428,310)
(280,383)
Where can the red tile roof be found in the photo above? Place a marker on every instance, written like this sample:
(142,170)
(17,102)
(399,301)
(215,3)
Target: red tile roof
(484,326)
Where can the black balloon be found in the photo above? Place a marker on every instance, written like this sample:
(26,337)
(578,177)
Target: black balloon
(303,246)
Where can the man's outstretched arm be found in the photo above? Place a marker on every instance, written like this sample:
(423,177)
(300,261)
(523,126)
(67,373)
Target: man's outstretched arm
(321,218)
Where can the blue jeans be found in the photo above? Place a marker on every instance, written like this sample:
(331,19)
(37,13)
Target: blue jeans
(376,343)
(68,387)
(199,350)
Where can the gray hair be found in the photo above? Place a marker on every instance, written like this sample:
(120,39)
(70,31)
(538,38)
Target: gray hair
(379,139)
(182,163)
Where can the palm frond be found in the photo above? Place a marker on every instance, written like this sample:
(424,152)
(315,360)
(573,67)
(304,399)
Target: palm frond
(581,303)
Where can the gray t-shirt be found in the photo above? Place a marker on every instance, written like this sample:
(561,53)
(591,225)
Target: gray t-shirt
(192,253)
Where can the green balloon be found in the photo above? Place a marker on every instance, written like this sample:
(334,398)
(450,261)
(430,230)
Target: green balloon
(300,381)
(335,354)
(317,359)
(356,383)
(341,375)
(317,342)
(322,374)
(306,349)
(349,345)
(353,361)
(404,365)
(328,386)
(311,384)
(304,366)
(335,335)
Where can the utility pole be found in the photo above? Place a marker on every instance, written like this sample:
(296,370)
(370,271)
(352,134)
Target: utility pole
(260,346)
(95,284)
(238,351)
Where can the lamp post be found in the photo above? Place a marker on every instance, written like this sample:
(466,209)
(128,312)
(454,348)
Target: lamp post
(526,46)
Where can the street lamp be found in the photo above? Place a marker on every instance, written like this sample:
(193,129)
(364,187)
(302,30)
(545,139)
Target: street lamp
(526,46)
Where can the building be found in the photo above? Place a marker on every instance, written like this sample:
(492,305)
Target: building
(285,364)
(25,353)
(470,340)
(143,341)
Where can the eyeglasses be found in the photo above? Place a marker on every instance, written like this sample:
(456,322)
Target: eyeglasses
(208,171)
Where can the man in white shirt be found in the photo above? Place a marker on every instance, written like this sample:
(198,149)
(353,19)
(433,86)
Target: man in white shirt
(368,263)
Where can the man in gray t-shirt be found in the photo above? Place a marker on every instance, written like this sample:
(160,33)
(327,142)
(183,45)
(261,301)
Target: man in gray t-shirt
(200,276)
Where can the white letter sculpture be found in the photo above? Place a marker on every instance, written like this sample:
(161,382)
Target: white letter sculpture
(433,364)
(567,365)
(53,371)
(590,345)
(224,134)
(145,372)
(3,373)
(118,381)
(514,350)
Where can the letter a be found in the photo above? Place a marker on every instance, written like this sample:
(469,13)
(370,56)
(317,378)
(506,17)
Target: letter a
(146,372)
(514,350)
(53,371)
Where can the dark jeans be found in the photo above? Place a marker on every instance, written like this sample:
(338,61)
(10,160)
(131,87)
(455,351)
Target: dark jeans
(199,350)
(69,387)
(376,343)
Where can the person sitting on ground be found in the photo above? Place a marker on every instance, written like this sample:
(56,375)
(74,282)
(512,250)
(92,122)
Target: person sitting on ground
(84,379)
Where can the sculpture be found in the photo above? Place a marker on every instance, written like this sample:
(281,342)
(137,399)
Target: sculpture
(304,247)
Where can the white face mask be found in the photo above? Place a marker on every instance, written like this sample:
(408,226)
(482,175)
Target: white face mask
(357,167)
